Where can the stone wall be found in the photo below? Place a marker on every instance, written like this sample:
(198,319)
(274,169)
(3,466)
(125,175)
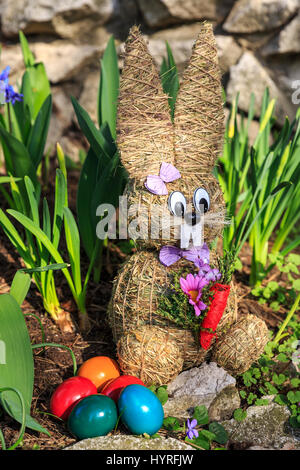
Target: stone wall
(258,43)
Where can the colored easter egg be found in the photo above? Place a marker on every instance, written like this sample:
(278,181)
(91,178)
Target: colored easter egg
(140,410)
(69,393)
(113,388)
(93,416)
(99,370)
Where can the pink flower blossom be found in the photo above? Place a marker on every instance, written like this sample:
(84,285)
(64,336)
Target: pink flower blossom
(192,286)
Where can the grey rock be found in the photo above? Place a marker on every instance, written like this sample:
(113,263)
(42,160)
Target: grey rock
(287,41)
(89,95)
(249,16)
(66,18)
(287,73)
(62,115)
(64,60)
(249,71)
(229,52)
(253,129)
(195,387)
(157,47)
(12,56)
(224,404)
(123,442)
(159,13)
(265,426)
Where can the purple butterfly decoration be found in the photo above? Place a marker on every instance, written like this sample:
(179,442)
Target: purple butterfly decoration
(156,183)
(198,255)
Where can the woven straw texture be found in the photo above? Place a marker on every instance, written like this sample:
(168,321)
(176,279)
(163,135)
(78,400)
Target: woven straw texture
(144,128)
(148,350)
(149,345)
(136,292)
(242,345)
(199,115)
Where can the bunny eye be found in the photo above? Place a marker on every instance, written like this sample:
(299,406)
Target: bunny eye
(177,203)
(201,198)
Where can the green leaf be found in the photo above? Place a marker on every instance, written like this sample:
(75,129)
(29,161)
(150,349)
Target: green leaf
(20,286)
(239,414)
(35,88)
(85,194)
(17,371)
(73,245)
(109,88)
(20,158)
(208,434)
(28,57)
(200,441)
(295,382)
(293,397)
(171,424)
(59,204)
(281,399)
(261,402)
(93,135)
(201,415)
(49,267)
(162,395)
(219,431)
(38,133)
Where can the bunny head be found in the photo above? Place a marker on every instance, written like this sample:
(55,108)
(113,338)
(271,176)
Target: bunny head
(170,162)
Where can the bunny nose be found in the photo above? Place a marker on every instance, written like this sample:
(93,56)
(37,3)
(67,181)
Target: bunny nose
(192,218)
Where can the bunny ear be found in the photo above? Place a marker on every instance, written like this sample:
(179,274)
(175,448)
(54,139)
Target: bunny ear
(145,134)
(199,115)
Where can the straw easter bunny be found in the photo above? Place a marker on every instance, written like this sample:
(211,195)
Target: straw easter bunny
(170,164)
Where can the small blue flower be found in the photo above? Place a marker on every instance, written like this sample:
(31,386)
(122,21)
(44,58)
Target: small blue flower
(10,95)
(4,74)
(191,432)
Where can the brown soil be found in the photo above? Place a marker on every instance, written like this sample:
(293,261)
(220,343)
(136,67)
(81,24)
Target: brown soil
(54,365)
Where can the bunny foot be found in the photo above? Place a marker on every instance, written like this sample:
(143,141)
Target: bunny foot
(150,354)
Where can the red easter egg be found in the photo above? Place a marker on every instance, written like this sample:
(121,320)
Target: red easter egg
(69,393)
(115,387)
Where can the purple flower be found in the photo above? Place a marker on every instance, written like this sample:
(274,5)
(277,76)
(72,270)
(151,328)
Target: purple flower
(192,286)
(198,255)
(10,96)
(211,274)
(191,431)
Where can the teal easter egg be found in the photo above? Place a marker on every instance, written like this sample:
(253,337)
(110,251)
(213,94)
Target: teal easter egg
(140,410)
(95,415)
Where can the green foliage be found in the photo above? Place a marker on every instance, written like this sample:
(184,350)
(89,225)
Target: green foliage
(16,368)
(102,178)
(208,432)
(277,294)
(40,249)
(261,185)
(161,393)
(169,78)
(273,376)
(239,414)
(24,127)
(172,424)
(201,415)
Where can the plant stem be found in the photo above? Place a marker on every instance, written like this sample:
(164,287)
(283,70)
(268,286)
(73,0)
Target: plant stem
(288,317)
(62,346)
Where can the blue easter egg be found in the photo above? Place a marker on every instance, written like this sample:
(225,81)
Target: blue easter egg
(140,410)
